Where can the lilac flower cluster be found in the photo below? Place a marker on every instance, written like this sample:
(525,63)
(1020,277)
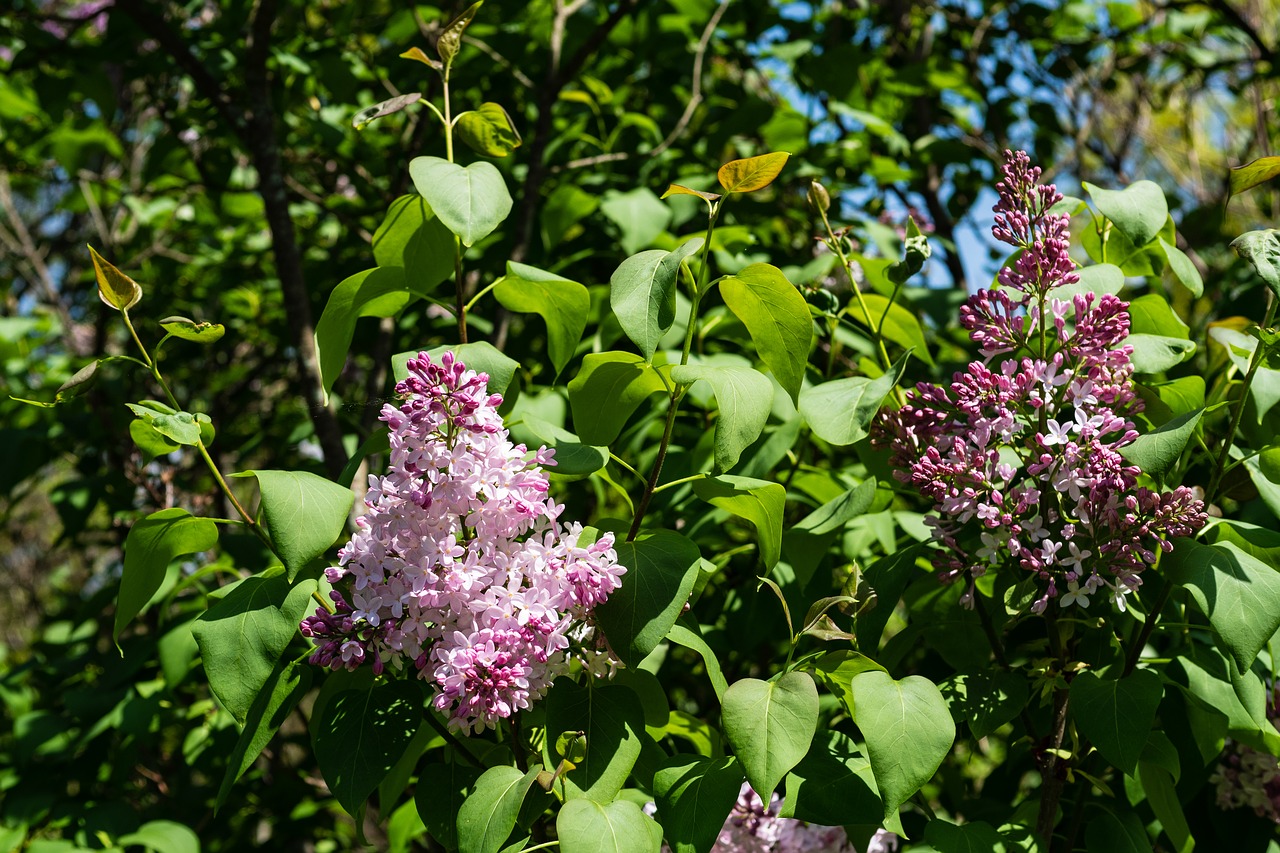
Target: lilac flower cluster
(460,567)
(1249,778)
(1021,457)
(753,827)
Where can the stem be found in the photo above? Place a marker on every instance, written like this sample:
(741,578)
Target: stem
(461,284)
(623,464)
(1053,779)
(448,120)
(1144,632)
(517,748)
(651,486)
(204,452)
(471,302)
(1220,467)
(453,740)
(834,244)
(997,650)
(665,486)
(541,846)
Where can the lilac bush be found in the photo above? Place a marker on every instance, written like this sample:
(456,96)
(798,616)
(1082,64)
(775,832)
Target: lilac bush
(1022,455)
(461,568)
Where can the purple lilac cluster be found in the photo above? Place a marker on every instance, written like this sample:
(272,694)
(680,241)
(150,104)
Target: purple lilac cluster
(1021,455)
(460,567)
(1247,778)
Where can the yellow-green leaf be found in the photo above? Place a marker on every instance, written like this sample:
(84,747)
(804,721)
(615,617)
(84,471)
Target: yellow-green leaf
(451,39)
(419,55)
(1250,175)
(753,173)
(114,287)
(677,189)
(488,130)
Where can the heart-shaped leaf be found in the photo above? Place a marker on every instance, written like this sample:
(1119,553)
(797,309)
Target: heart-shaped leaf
(1139,210)
(563,304)
(745,398)
(770,725)
(471,201)
(908,730)
(584,826)
(114,287)
(840,410)
(661,568)
(305,514)
(642,294)
(694,795)
(753,173)
(488,130)
(151,545)
(776,317)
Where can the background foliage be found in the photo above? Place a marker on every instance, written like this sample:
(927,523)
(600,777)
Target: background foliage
(209,147)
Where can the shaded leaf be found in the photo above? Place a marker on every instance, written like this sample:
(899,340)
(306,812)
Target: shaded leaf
(488,130)
(152,544)
(1117,714)
(661,568)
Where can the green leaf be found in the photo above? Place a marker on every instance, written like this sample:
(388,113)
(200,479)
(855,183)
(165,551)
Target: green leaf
(390,106)
(563,304)
(770,725)
(839,511)
(573,458)
(753,173)
(584,826)
(1157,451)
(1262,250)
(840,410)
(1156,353)
(677,189)
(162,836)
(379,292)
(1252,174)
(1157,784)
(480,356)
(1107,832)
(1152,314)
(915,251)
(776,317)
(178,427)
(450,41)
(1183,269)
(360,734)
(114,287)
(413,239)
(1240,348)
(758,501)
(279,696)
(242,637)
(607,390)
(1117,714)
(1095,278)
(745,398)
(489,814)
(639,215)
(661,568)
(987,700)
(908,731)
(190,330)
(1239,594)
(833,784)
(488,130)
(471,201)
(305,514)
(562,212)
(900,325)
(888,577)
(694,796)
(439,794)
(642,294)
(613,720)
(974,837)
(1139,210)
(152,544)
(686,633)
(836,670)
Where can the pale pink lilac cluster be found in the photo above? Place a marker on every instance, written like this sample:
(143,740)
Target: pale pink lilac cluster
(1247,778)
(753,827)
(460,567)
(1020,455)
